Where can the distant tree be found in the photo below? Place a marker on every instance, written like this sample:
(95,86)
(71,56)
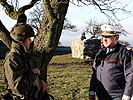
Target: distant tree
(94,28)
(49,32)
(37,14)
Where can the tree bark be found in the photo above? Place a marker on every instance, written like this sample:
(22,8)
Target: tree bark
(12,13)
(47,38)
(49,34)
(5,35)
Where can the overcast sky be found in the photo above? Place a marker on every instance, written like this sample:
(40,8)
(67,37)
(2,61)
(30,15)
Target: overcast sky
(79,15)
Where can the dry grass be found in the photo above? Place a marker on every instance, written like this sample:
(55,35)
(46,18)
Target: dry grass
(68,78)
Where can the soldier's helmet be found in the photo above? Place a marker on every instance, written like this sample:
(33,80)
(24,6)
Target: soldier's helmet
(108,30)
(21,31)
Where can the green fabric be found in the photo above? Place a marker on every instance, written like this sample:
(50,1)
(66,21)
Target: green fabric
(21,31)
(18,72)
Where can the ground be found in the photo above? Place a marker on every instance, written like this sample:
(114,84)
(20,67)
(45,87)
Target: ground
(68,78)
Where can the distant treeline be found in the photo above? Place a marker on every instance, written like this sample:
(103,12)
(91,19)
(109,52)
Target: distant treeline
(60,50)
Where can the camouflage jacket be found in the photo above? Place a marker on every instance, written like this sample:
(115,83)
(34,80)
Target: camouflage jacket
(18,74)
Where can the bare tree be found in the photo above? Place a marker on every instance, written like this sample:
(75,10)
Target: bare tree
(94,28)
(68,26)
(36,17)
(48,35)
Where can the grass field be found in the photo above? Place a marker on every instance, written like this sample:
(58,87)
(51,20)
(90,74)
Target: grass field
(68,78)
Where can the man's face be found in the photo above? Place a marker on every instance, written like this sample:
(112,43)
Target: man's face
(110,42)
(27,43)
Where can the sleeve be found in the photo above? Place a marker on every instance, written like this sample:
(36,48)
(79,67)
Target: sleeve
(19,80)
(93,82)
(128,72)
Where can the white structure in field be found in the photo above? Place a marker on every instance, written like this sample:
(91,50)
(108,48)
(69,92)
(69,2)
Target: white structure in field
(85,49)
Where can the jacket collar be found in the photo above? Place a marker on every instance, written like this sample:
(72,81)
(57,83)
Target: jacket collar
(116,46)
(19,49)
(109,50)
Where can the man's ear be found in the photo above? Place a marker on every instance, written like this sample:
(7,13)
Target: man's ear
(117,37)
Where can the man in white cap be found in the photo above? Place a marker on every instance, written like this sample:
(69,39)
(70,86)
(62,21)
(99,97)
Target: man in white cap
(112,77)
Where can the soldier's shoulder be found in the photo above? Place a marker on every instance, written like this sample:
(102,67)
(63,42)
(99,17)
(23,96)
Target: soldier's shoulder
(128,48)
(12,55)
(124,48)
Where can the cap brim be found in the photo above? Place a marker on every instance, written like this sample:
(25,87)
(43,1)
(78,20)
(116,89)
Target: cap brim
(108,34)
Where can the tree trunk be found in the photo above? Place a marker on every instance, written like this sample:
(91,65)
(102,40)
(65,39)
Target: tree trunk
(47,38)
(49,34)
(5,35)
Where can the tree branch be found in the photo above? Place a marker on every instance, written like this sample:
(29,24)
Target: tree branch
(26,7)
(12,13)
(48,9)
(5,35)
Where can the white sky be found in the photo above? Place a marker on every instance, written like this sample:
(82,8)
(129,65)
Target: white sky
(78,16)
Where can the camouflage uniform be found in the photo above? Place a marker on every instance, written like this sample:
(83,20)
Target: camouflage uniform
(19,77)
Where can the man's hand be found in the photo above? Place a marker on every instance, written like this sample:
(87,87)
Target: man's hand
(36,71)
(92,97)
(44,86)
